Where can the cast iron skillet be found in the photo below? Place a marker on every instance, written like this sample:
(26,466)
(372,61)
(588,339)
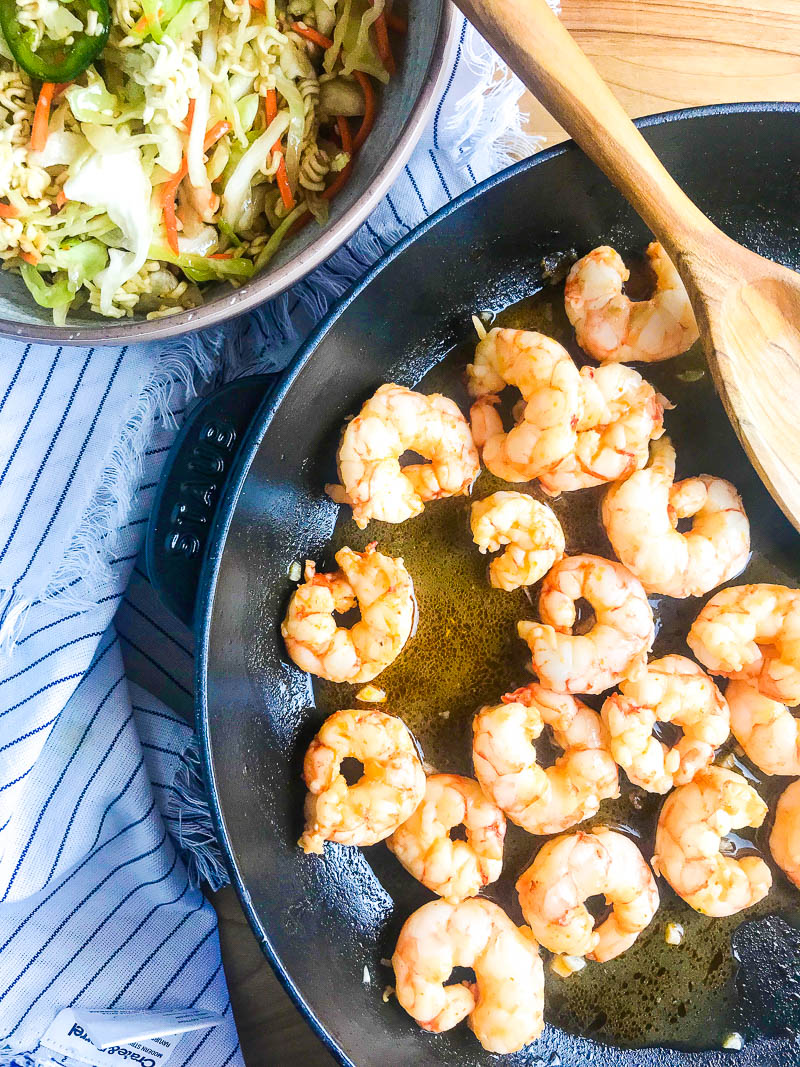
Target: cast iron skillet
(243,497)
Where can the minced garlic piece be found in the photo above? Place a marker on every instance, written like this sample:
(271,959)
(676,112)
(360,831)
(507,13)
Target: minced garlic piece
(370,694)
(480,329)
(564,966)
(673,934)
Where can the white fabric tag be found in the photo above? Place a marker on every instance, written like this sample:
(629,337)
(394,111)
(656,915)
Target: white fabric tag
(110,1027)
(100,1038)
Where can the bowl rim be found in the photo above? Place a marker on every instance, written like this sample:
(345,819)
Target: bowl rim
(226,507)
(260,290)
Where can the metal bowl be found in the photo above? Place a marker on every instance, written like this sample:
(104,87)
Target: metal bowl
(405,106)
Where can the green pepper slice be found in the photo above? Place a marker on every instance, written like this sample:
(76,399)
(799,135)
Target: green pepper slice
(56,61)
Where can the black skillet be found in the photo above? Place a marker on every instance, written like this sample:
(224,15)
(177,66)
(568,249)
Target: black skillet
(243,497)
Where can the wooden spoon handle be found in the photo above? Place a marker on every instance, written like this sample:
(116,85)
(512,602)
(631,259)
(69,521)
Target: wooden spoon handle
(538,48)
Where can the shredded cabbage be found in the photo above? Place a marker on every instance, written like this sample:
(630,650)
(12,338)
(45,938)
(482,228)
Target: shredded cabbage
(82,261)
(186,14)
(203,242)
(297,121)
(170,146)
(115,181)
(230,233)
(203,269)
(238,184)
(56,295)
(357,48)
(61,148)
(332,53)
(247,109)
(93,102)
(274,243)
(181,86)
(202,102)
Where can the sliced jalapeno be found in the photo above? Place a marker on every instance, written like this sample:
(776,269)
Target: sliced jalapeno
(57,61)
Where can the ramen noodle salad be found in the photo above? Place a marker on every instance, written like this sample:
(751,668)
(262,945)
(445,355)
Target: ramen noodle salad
(150,146)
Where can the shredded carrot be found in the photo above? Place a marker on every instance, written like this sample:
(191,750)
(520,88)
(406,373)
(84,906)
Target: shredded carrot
(394,22)
(283,185)
(297,226)
(220,255)
(382,41)
(8,211)
(270,112)
(312,35)
(257,5)
(347,144)
(30,257)
(369,109)
(384,47)
(168,191)
(144,23)
(61,198)
(344,133)
(352,144)
(214,134)
(41,117)
(330,192)
(271,105)
(187,122)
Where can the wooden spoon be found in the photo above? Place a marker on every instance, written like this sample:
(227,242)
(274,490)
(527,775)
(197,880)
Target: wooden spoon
(747,308)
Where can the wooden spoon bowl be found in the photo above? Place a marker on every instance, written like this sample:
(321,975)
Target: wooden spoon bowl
(747,307)
(751,331)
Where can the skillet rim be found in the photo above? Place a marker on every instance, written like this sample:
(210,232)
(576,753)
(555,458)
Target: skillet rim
(262,419)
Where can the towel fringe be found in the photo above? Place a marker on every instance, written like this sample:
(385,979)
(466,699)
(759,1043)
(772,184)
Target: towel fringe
(274,325)
(188,818)
(487,124)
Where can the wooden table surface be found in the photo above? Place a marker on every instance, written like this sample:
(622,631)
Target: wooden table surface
(656,55)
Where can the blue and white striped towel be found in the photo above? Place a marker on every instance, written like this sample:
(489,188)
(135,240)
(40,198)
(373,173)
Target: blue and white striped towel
(103,839)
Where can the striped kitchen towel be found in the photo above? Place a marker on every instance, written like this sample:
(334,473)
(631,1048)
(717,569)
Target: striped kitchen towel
(104,840)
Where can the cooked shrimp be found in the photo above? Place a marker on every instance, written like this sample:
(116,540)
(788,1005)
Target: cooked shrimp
(765,728)
(617,644)
(397,420)
(530,529)
(694,819)
(570,869)
(504,1004)
(673,689)
(382,588)
(784,841)
(641,517)
(752,633)
(453,869)
(621,414)
(392,786)
(543,800)
(610,327)
(544,373)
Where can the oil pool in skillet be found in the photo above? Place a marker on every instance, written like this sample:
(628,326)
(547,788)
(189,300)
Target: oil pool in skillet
(466,653)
